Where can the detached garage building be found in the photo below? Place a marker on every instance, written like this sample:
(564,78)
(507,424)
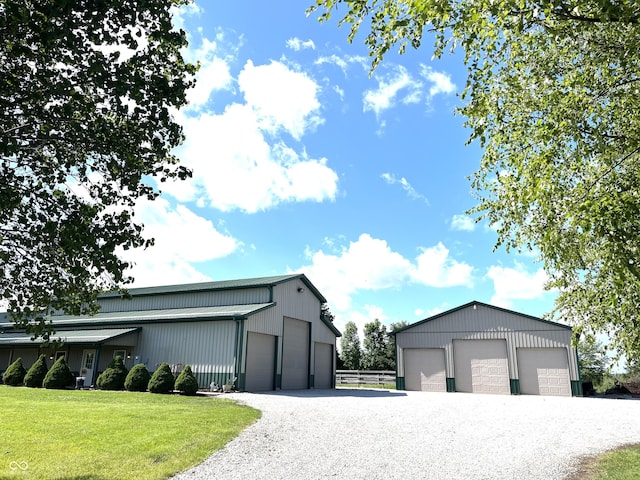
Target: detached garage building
(268,332)
(479,348)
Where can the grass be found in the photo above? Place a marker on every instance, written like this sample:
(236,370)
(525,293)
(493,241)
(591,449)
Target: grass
(100,435)
(620,464)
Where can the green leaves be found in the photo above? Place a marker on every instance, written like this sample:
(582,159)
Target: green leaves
(79,129)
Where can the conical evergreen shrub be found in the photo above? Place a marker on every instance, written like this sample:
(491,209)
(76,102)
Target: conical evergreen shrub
(14,375)
(162,380)
(114,376)
(186,382)
(138,378)
(37,372)
(59,376)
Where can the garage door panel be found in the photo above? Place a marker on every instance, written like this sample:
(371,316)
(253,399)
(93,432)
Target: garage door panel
(295,354)
(424,369)
(260,362)
(480,366)
(544,371)
(323,361)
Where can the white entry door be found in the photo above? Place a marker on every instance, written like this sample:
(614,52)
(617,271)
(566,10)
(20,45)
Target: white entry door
(88,365)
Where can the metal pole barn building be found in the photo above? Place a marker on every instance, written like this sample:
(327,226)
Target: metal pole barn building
(480,348)
(268,333)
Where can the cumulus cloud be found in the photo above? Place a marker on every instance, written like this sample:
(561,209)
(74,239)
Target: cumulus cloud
(371,264)
(436,268)
(391,179)
(463,223)
(214,74)
(282,98)
(238,158)
(296,44)
(181,238)
(440,81)
(397,86)
(516,284)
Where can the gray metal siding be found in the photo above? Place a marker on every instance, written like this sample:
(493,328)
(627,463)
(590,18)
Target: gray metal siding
(5,354)
(488,324)
(246,296)
(206,346)
(28,355)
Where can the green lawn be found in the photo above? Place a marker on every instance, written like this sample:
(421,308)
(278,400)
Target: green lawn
(100,435)
(619,464)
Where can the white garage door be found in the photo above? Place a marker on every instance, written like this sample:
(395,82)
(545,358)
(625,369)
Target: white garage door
(260,362)
(424,369)
(295,354)
(544,371)
(323,359)
(481,366)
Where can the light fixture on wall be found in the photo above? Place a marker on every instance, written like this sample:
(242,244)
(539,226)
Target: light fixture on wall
(300,289)
(51,357)
(128,355)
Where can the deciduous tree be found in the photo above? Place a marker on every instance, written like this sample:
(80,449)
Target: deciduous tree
(552,97)
(351,351)
(376,353)
(88,90)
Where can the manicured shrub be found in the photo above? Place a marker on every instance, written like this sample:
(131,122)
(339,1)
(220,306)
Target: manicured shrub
(162,380)
(138,378)
(59,376)
(14,375)
(37,372)
(114,376)
(186,382)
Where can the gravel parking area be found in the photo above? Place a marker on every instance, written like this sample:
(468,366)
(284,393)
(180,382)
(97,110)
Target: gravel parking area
(376,434)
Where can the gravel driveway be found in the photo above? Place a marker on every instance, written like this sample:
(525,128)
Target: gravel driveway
(376,434)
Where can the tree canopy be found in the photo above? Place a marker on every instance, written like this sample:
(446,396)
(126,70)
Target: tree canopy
(552,97)
(88,90)
(350,350)
(376,352)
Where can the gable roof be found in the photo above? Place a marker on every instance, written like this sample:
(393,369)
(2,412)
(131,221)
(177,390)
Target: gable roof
(221,285)
(486,305)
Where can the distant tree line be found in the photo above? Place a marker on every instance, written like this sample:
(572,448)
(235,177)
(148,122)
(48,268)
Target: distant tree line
(377,351)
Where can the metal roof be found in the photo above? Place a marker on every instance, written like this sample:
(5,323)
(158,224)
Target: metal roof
(471,304)
(221,285)
(174,314)
(68,336)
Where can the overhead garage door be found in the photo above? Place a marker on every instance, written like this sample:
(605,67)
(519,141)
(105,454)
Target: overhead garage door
(323,360)
(544,371)
(295,354)
(481,366)
(260,362)
(424,369)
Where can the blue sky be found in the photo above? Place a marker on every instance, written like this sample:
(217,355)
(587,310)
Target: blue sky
(302,162)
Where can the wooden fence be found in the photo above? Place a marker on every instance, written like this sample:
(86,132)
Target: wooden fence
(369,377)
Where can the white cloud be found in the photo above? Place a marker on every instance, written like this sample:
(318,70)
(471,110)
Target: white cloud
(181,238)
(234,166)
(391,179)
(238,160)
(344,61)
(214,74)
(391,87)
(440,81)
(516,284)
(296,44)
(371,264)
(436,269)
(281,97)
(463,223)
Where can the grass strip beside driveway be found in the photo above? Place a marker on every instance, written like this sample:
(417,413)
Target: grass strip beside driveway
(101,435)
(619,464)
